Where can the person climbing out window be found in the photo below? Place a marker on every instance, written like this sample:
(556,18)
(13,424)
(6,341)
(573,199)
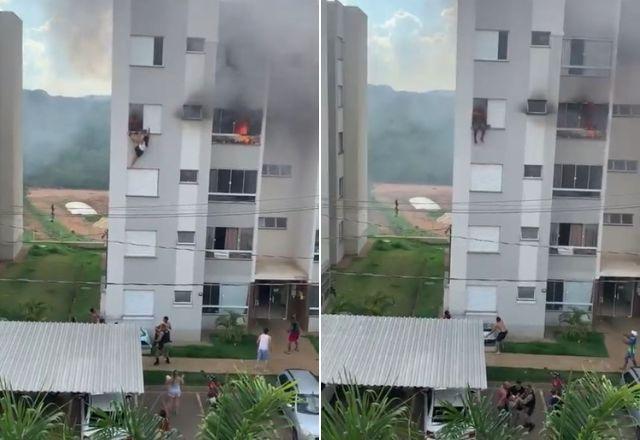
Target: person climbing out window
(479,122)
(141,141)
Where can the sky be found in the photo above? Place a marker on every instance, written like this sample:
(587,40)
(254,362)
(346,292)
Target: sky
(412,43)
(67,44)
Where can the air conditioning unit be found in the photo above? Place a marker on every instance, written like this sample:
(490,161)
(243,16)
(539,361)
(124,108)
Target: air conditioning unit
(537,107)
(192,112)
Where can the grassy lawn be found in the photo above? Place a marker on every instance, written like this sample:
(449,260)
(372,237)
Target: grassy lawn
(315,341)
(536,375)
(411,297)
(593,345)
(53,262)
(156,377)
(246,349)
(54,230)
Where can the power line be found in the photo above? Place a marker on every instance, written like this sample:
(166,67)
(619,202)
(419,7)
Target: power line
(98,283)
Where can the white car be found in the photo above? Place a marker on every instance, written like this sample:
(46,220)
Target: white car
(145,340)
(434,409)
(304,414)
(103,402)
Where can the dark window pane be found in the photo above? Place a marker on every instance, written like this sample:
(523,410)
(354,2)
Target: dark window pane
(553,234)
(627,219)
(135,117)
(224,177)
(281,222)
(189,176)
(210,237)
(246,239)
(503,37)
(250,181)
(564,231)
(590,235)
(532,170)
(576,57)
(220,237)
(595,177)
(568,176)
(557,176)
(539,38)
(237,181)
(195,44)
(157,51)
(582,176)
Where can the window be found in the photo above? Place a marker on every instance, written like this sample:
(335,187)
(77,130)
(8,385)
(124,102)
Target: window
(623,166)
(272,222)
(533,171)
(195,44)
(486,178)
(618,219)
(494,111)
(140,243)
(145,117)
(210,298)
(586,57)
(192,112)
(316,247)
(341,230)
(186,237)
(484,239)
(577,180)
(142,182)
(247,123)
(481,299)
(340,142)
(314,301)
(540,38)
(573,235)
(182,297)
(537,107)
(240,184)
(626,111)
(188,176)
(526,294)
(339,48)
(229,239)
(146,51)
(529,233)
(555,294)
(138,304)
(491,45)
(341,187)
(269,170)
(339,97)
(586,121)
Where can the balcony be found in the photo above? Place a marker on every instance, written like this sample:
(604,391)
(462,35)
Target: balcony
(572,250)
(240,127)
(582,121)
(587,57)
(224,254)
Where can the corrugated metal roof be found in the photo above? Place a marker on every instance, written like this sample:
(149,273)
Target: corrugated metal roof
(71,357)
(402,352)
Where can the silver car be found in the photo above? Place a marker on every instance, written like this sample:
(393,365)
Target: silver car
(304,414)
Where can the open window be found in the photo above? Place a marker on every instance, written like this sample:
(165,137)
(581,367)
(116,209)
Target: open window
(582,120)
(573,239)
(146,51)
(229,243)
(490,113)
(145,117)
(236,126)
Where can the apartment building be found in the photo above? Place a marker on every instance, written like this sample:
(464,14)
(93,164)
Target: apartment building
(545,212)
(214,163)
(344,150)
(10,135)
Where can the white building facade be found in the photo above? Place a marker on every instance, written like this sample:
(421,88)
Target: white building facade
(220,211)
(541,224)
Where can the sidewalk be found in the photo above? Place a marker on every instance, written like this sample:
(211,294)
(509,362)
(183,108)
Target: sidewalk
(612,329)
(306,359)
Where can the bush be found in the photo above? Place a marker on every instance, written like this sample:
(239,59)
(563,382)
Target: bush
(577,324)
(382,245)
(232,329)
(40,250)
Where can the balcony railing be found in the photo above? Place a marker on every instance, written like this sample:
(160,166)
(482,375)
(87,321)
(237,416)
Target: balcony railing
(225,254)
(572,250)
(231,197)
(577,193)
(587,57)
(580,133)
(232,138)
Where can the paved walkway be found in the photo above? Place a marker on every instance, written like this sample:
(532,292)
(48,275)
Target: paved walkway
(306,358)
(613,330)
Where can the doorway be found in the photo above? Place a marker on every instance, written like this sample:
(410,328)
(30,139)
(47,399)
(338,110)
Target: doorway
(272,301)
(617,297)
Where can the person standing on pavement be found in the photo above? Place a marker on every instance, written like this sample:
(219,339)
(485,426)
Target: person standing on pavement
(294,334)
(174,385)
(264,345)
(630,340)
(501,331)
(161,343)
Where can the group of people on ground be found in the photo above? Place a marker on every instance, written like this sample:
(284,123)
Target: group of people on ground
(519,401)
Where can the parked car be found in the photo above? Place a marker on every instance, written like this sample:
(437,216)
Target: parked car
(632,377)
(304,414)
(145,340)
(489,335)
(434,409)
(103,402)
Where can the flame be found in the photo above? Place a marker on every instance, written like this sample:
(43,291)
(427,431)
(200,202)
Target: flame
(241,130)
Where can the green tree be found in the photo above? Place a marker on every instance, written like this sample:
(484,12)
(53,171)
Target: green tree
(248,408)
(367,414)
(30,418)
(232,329)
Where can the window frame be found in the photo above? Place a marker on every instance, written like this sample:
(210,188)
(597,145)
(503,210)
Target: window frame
(530,289)
(607,219)
(138,316)
(532,166)
(219,195)
(522,235)
(153,248)
(475,245)
(341,187)
(502,36)
(183,172)
(209,292)
(611,168)
(283,170)
(484,189)
(575,191)
(183,303)
(341,142)
(155,38)
(546,33)
(187,243)
(198,39)
(262,223)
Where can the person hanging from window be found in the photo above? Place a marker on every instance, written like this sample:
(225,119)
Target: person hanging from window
(141,142)
(479,123)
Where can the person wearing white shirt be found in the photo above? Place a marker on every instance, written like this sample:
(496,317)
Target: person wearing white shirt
(264,345)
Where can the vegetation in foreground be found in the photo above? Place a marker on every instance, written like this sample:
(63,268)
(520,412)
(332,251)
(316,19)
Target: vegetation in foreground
(392,295)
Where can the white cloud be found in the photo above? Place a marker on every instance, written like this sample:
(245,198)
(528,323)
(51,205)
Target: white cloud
(403,54)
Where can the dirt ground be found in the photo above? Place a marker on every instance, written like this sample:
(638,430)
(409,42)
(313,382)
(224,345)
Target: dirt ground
(42,198)
(387,193)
